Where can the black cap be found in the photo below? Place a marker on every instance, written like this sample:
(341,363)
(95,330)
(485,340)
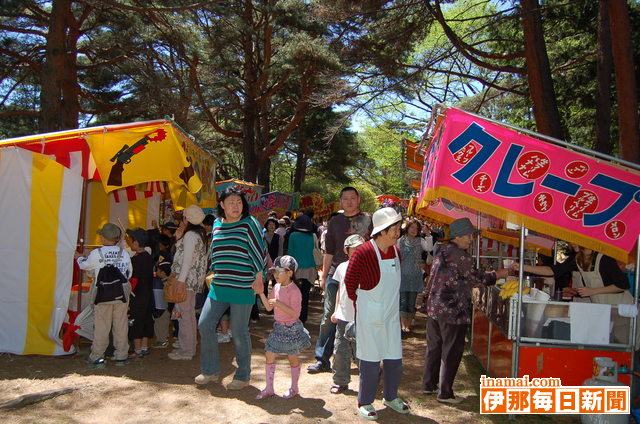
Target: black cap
(170,225)
(140,236)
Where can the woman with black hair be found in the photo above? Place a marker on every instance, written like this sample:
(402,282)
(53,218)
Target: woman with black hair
(189,266)
(596,278)
(238,262)
(274,240)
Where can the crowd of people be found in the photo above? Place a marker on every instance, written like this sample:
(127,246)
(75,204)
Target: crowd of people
(224,269)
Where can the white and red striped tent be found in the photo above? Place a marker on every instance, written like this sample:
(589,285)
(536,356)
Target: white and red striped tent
(42,181)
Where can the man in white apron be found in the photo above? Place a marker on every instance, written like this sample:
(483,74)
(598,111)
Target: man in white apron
(373,282)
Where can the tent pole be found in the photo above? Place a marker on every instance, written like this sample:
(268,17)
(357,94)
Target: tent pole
(478,239)
(634,326)
(515,365)
(81,234)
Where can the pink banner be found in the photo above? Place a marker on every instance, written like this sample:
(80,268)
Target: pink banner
(275,200)
(445,211)
(529,182)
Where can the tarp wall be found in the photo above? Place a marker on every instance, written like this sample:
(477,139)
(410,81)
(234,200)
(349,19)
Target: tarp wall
(103,208)
(40,208)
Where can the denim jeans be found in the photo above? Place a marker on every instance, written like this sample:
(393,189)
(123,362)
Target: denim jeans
(209,353)
(408,303)
(324,344)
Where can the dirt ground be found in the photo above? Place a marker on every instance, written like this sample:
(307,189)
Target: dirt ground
(156,389)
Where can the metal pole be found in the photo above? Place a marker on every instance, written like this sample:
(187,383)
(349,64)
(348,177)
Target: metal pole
(78,132)
(478,240)
(634,325)
(515,364)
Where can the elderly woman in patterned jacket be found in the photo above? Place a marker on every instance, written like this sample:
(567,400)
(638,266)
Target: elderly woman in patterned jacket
(449,308)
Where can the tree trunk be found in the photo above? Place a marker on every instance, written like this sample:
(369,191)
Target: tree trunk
(250,172)
(543,96)
(264,176)
(59,95)
(625,80)
(603,85)
(250,107)
(301,163)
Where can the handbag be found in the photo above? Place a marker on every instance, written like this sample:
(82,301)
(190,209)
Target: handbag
(317,253)
(175,291)
(208,280)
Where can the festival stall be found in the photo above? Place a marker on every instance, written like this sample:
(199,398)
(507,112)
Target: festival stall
(549,187)
(317,204)
(276,201)
(393,201)
(58,185)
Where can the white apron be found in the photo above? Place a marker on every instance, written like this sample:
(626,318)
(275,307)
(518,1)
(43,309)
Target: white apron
(593,279)
(378,314)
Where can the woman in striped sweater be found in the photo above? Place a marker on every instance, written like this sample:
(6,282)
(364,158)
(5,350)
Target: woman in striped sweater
(238,262)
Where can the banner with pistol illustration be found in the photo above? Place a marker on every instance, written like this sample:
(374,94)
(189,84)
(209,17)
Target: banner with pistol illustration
(140,154)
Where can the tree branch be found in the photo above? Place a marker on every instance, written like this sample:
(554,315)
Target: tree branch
(159,9)
(22,30)
(193,76)
(12,113)
(469,51)
(301,110)
(23,59)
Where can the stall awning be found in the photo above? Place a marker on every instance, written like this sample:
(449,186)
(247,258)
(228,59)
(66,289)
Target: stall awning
(524,180)
(414,156)
(119,155)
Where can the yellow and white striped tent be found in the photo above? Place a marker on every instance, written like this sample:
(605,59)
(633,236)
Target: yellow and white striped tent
(41,196)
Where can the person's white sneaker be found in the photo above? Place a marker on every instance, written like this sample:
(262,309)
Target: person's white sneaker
(177,357)
(176,344)
(223,338)
(237,385)
(204,379)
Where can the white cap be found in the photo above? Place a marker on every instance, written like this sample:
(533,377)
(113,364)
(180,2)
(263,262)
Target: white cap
(383,219)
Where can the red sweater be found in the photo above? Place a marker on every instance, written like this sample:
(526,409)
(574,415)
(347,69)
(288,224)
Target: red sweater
(363,271)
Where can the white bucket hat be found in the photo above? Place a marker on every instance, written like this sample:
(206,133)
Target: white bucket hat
(383,219)
(194,215)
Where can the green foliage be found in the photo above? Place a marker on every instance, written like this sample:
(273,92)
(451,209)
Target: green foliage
(367,197)
(388,60)
(382,169)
